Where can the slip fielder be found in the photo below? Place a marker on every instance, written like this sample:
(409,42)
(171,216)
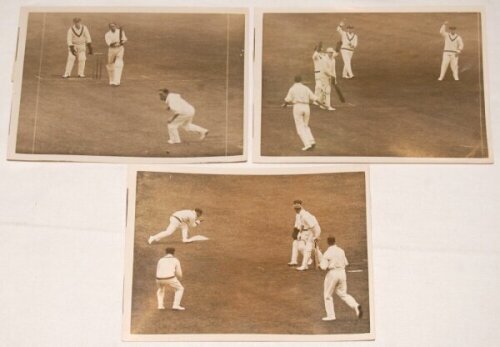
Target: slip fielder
(334,261)
(182,219)
(78,40)
(168,273)
(115,39)
(301,96)
(453,46)
(349,43)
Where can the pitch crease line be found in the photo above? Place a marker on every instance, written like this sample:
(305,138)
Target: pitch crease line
(42,41)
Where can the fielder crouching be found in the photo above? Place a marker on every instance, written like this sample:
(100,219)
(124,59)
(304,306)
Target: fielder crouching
(168,273)
(115,39)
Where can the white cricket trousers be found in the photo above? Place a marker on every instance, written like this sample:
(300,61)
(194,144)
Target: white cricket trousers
(314,233)
(335,280)
(81,56)
(301,114)
(115,64)
(346,57)
(184,120)
(451,59)
(174,283)
(172,227)
(297,246)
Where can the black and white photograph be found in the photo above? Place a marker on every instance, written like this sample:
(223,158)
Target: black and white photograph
(371,86)
(273,255)
(130,85)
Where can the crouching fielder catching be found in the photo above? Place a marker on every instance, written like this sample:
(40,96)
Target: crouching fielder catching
(334,261)
(115,39)
(183,116)
(168,273)
(181,220)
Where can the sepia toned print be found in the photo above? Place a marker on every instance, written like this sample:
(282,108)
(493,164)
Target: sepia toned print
(95,85)
(388,87)
(248,256)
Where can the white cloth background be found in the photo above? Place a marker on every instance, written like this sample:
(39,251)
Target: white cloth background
(435,228)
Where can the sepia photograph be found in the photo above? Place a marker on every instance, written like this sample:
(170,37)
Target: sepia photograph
(371,87)
(255,255)
(130,85)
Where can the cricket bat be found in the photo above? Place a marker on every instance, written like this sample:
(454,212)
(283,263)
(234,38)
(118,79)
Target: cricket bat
(338,91)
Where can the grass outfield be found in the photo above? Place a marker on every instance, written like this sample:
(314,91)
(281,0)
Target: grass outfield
(187,53)
(239,281)
(395,105)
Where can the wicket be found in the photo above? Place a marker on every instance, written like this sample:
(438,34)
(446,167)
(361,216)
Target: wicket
(97,73)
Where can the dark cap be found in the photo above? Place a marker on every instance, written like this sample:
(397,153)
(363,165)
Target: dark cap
(331,240)
(297,203)
(77,19)
(199,211)
(350,27)
(164,90)
(452,27)
(298,78)
(170,250)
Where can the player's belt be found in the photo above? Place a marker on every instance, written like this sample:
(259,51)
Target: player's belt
(450,51)
(336,268)
(347,49)
(177,218)
(165,278)
(317,71)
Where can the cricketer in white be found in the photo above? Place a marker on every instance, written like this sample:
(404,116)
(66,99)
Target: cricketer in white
(78,40)
(168,272)
(182,219)
(183,116)
(349,43)
(335,261)
(115,39)
(453,46)
(309,232)
(301,96)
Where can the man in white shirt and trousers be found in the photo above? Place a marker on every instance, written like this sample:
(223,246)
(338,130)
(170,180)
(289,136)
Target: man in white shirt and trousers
(300,96)
(182,219)
(78,40)
(168,273)
(310,231)
(115,39)
(183,114)
(334,261)
(349,43)
(453,46)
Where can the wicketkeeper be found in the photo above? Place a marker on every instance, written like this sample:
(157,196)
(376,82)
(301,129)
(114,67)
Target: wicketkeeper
(78,40)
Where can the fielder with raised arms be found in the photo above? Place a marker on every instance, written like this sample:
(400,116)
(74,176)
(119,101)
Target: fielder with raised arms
(115,39)
(349,43)
(453,46)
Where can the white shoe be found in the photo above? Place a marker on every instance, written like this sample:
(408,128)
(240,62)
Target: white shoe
(328,318)
(292,264)
(187,241)
(440,79)
(161,307)
(302,268)
(359,311)
(310,262)
(307,148)
(65,76)
(203,135)
(151,239)
(81,76)
(178,308)
(330,108)
(172,142)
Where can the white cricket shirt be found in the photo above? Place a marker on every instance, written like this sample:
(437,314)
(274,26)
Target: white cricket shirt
(300,94)
(305,220)
(452,43)
(187,216)
(318,60)
(114,37)
(78,36)
(334,258)
(168,267)
(349,41)
(178,105)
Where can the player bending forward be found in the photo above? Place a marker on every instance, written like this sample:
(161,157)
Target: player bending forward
(308,232)
(453,46)
(183,116)
(334,261)
(182,219)
(78,40)
(301,96)
(168,273)
(115,39)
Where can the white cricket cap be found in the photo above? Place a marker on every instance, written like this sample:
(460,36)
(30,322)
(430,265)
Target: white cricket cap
(330,50)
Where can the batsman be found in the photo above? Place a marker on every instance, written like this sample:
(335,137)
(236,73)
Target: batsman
(115,39)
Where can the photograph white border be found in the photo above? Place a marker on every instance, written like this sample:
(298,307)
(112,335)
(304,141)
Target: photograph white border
(257,157)
(129,254)
(17,79)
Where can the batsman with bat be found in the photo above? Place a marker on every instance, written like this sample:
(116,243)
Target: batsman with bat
(307,231)
(115,39)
